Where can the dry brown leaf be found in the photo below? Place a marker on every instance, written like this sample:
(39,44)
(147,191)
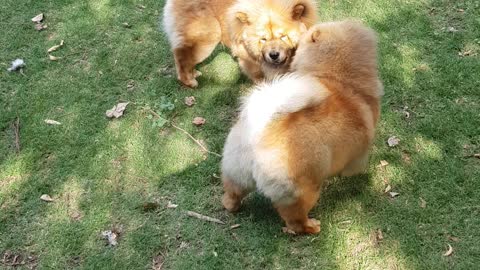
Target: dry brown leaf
(453,238)
(158,262)
(388,188)
(393,194)
(76,216)
(288,231)
(423,203)
(130,85)
(461,10)
(203,217)
(171,205)
(46,198)
(393,141)
(198,121)
(111,237)
(449,251)
(38,18)
(406,157)
(190,101)
(376,236)
(117,110)
(476,155)
(53,58)
(150,206)
(52,122)
(56,47)
(451,29)
(379,234)
(465,53)
(40,26)
(383,163)
(234,226)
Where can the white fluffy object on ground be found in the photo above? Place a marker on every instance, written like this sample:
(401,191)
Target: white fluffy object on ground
(16,64)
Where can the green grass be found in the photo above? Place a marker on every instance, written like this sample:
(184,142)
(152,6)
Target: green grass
(100,172)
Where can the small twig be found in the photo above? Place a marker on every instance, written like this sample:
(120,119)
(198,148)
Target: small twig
(188,134)
(16,131)
(195,140)
(202,217)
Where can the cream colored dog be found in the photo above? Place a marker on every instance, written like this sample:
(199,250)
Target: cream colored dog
(314,123)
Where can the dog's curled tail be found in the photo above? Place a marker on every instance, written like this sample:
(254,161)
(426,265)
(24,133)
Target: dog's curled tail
(286,94)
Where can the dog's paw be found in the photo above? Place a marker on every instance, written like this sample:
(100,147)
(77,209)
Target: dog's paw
(312,226)
(197,74)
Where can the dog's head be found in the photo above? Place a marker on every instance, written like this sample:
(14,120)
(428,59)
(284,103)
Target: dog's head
(340,47)
(270,33)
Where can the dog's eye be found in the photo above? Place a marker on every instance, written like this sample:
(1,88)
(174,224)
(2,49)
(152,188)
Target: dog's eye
(263,40)
(284,38)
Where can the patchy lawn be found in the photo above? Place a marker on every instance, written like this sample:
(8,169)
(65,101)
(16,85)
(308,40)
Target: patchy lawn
(120,174)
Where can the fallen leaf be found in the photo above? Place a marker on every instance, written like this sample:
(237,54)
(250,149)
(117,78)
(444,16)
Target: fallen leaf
(38,18)
(130,85)
(359,248)
(52,122)
(288,231)
(111,237)
(46,198)
(379,234)
(423,203)
(198,121)
(476,155)
(453,238)
(16,64)
(53,58)
(56,47)
(383,163)
(76,216)
(203,217)
(167,71)
(461,10)
(449,251)
(170,205)
(215,254)
(421,67)
(158,262)
(183,245)
(451,29)
(117,110)
(126,25)
(141,6)
(465,53)
(393,141)
(388,188)
(150,206)
(234,226)
(406,157)
(190,101)
(40,26)
(393,194)
(216,176)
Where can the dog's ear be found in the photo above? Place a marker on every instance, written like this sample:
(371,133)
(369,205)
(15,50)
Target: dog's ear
(316,35)
(242,17)
(298,12)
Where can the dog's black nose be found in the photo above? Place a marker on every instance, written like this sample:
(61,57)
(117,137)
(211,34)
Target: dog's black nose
(274,55)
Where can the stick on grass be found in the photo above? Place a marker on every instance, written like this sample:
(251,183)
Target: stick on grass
(202,217)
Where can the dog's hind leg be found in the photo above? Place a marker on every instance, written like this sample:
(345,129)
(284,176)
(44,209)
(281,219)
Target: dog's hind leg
(234,194)
(295,214)
(199,39)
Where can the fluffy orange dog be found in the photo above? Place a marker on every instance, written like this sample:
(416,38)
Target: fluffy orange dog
(314,123)
(263,34)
